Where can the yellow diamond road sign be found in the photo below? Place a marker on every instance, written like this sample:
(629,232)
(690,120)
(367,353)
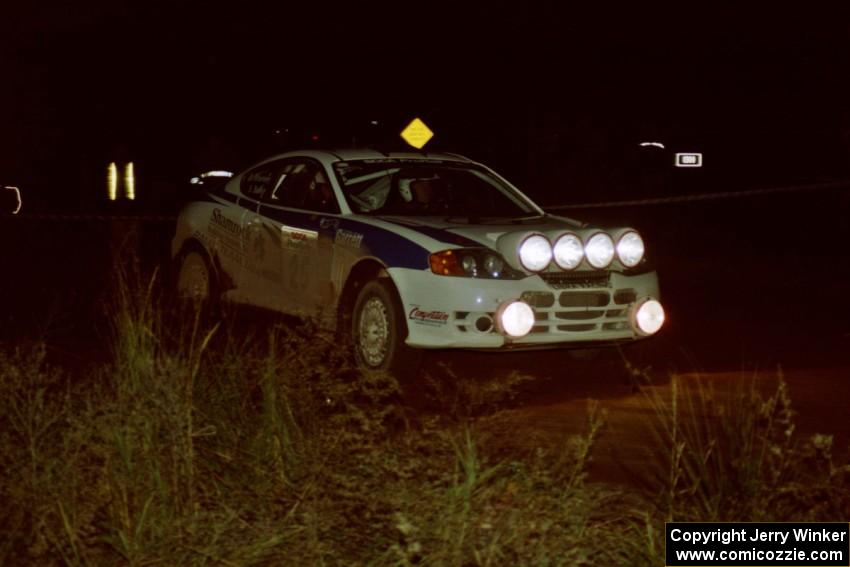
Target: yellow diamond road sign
(417,134)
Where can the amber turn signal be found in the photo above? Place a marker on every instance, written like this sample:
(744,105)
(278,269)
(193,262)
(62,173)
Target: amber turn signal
(446,263)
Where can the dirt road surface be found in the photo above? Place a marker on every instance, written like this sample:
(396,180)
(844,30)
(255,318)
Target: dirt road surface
(554,405)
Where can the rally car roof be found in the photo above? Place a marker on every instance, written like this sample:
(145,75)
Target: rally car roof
(349,154)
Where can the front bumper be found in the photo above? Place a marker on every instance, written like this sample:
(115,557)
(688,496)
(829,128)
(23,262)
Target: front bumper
(571,310)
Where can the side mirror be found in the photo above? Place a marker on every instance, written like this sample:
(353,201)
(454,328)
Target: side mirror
(10,200)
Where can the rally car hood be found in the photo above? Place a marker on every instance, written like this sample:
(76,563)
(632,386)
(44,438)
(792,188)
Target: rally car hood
(460,231)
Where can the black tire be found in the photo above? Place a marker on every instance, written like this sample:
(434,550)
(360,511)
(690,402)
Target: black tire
(195,282)
(379,329)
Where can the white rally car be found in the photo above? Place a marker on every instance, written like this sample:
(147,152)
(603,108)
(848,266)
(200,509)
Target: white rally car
(405,251)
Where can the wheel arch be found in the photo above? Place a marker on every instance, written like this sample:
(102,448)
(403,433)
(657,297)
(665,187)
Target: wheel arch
(192,244)
(363,271)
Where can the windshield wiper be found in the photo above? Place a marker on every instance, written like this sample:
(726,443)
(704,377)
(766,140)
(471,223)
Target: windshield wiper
(470,219)
(491,219)
(527,218)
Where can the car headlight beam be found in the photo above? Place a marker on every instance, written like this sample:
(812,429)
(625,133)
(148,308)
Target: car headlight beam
(535,253)
(647,317)
(630,249)
(515,319)
(599,250)
(568,251)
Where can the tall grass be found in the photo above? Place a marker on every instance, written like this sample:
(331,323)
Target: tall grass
(209,441)
(737,457)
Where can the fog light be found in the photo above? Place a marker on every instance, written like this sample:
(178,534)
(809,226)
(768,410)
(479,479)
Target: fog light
(515,319)
(648,317)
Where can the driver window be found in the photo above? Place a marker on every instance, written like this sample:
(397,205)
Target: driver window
(303,185)
(256,183)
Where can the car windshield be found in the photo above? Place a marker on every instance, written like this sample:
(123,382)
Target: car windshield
(428,187)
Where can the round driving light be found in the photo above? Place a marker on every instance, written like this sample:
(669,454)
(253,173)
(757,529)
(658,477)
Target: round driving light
(493,265)
(469,265)
(648,317)
(515,319)
(599,250)
(630,249)
(568,251)
(535,253)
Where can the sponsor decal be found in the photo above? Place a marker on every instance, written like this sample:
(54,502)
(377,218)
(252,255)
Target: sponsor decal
(328,223)
(297,238)
(225,236)
(254,183)
(428,317)
(348,238)
(227,224)
(255,244)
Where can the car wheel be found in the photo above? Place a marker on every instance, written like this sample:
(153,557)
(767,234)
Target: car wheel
(379,330)
(195,280)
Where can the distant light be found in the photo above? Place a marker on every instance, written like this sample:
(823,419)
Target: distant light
(130,181)
(18,194)
(374,122)
(417,134)
(216,173)
(652,145)
(688,160)
(315,137)
(199,179)
(112,181)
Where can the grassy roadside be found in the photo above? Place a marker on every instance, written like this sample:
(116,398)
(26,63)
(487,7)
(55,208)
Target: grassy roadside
(199,444)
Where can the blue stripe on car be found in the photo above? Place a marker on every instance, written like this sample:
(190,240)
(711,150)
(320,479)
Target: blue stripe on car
(394,250)
(438,234)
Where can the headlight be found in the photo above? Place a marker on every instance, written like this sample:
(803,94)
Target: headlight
(472,263)
(648,317)
(469,265)
(568,251)
(535,253)
(630,249)
(493,265)
(515,319)
(599,250)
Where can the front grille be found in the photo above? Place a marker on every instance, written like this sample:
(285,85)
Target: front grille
(581,311)
(577,328)
(580,315)
(584,299)
(585,305)
(577,280)
(542,299)
(625,296)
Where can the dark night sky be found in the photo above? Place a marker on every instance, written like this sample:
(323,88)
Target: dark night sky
(766,92)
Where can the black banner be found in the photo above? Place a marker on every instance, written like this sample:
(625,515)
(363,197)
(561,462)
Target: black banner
(693,544)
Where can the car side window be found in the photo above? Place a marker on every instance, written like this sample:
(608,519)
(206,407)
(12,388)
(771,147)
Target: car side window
(258,182)
(303,185)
